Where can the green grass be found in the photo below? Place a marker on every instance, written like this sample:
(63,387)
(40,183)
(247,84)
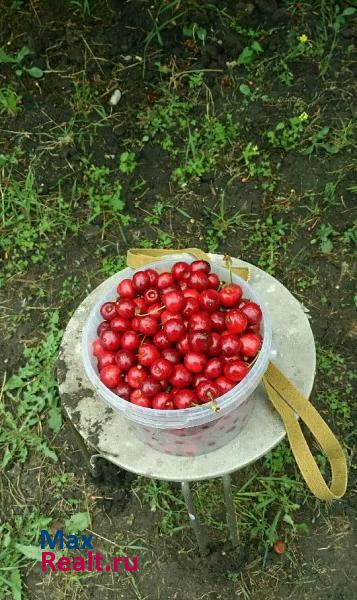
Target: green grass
(30,400)
(10,102)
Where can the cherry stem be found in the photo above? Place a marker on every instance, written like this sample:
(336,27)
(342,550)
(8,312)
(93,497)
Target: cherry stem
(214,405)
(254,360)
(228,263)
(151,312)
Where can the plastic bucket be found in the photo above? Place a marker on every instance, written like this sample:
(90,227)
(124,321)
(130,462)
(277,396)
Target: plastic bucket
(191,431)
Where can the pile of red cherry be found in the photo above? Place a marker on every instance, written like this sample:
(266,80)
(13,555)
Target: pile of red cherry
(176,340)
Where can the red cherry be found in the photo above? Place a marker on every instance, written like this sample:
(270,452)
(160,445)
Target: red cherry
(253,313)
(108,311)
(279,547)
(141,281)
(151,296)
(174,301)
(103,326)
(136,377)
(150,387)
(155,310)
(110,375)
(125,308)
(235,370)
(123,390)
(198,378)
(184,398)
(174,329)
(161,340)
(192,306)
(224,384)
(216,345)
(213,368)
(164,280)
(236,321)
(213,281)
(153,276)
(191,293)
(147,354)
(126,289)
(120,325)
(218,319)
(200,265)
(148,325)
(161,369)
(130,340)
(183,345)
(163,401)
(170,288)
(207,391)
(230,295)
(173,355)
(253,329)
(200,321)
(195,361)
(141,306)
(230,345)
(125,360)
(167,315)
(181,271)
(136,324)
(183,285)
(198,280)
(106,359)
(181,377)
(199,341)
(138,398)
(250,344)
(243,302)
(110,340)
(209,300)
(98,348)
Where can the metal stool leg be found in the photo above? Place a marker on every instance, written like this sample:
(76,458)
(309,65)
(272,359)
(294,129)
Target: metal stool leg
(231,513)
(196,525)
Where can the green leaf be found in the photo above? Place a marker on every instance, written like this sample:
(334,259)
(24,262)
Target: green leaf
(32,552)
(15,582)
(35,72)
(14,382)
(54,419)
(25,51)
(6,458)
(256,47)
(246,56)
(6,58)
(48,452)
(287,519)
(244,89)
(348,11)
(326,246)
(77,522)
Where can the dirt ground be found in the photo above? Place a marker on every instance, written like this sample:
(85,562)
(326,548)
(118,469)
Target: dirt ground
(233,131)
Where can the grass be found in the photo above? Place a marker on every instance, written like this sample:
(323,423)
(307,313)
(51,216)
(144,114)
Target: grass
(235,138)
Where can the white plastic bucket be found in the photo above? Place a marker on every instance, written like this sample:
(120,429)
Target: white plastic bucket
(191,431)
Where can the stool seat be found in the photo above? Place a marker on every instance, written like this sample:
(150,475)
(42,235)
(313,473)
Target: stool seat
(110,433)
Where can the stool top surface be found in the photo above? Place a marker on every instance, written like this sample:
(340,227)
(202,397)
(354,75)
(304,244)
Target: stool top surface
(108,432)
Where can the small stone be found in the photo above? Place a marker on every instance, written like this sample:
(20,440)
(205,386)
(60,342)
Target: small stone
(115,97)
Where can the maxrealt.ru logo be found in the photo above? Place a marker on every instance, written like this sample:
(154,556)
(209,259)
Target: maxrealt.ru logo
(92,561)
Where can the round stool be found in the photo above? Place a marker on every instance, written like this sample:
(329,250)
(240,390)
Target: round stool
(108,433)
